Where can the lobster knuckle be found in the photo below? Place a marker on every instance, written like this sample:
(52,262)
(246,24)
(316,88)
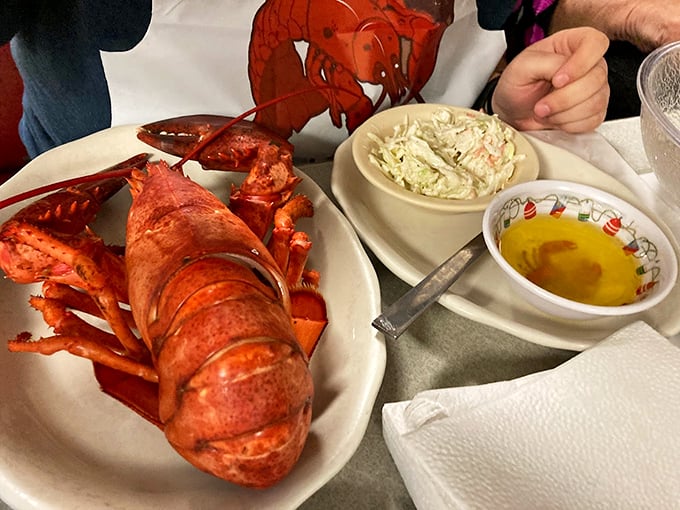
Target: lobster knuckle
(272,172)
(257,212)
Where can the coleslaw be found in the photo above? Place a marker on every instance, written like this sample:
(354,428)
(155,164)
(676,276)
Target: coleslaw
(452,156)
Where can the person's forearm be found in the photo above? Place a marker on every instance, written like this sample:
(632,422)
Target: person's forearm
(645,23)
(605,15)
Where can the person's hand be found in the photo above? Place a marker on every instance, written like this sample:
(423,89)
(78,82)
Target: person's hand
(647,24)
(559,82)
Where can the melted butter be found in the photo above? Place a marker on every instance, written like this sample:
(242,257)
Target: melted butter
(573,259)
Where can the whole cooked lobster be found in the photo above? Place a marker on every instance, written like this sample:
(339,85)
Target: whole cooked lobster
(225,323)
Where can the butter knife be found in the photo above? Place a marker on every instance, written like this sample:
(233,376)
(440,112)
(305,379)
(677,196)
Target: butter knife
(398,317)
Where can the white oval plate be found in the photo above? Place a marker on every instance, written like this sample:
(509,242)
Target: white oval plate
(411,242)
(65,445)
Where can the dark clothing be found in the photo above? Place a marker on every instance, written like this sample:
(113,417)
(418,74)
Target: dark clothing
(527,23)
(623,62)
(56,44)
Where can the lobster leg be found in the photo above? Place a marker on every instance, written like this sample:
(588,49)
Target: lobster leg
(59,316)
(77,336)
(84,348)
(79,269)
(78,300)
(49,241)
(283,238)
(290,250)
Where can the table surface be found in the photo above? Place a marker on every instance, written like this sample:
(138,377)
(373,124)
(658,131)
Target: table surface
(456,352)
(441,349)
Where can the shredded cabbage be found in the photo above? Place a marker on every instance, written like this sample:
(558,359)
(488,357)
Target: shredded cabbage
(460,156)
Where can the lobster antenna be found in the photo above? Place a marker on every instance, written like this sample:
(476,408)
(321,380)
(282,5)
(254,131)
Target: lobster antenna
(125,172)
(123,169)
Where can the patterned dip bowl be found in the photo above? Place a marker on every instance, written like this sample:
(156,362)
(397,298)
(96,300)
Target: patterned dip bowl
(577,252)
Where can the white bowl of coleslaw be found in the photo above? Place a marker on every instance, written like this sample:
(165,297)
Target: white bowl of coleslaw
(441,157)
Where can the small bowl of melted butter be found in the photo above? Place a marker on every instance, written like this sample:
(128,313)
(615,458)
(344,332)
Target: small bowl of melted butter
(577,252)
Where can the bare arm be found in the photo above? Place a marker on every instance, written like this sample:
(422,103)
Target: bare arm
(645,23)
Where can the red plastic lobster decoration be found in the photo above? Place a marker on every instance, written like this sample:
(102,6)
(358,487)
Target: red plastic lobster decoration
(349,44)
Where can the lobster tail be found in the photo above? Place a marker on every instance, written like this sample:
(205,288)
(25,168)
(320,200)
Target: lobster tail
(238,404)
(263,390)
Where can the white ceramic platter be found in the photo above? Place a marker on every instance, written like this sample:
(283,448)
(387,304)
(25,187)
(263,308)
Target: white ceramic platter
(65,445)
(412,241)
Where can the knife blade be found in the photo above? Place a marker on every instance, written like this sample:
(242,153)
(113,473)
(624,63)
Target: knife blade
(400,315)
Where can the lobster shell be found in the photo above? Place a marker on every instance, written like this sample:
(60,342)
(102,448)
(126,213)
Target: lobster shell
(235,390)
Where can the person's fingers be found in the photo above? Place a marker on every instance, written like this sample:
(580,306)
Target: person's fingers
(579,107)
(525,81)
(533,65)
(584,47)
(591,89)
(581,125)
(559,82)
(580,117)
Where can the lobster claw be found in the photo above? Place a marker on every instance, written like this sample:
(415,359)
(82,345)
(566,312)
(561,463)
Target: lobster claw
(234,149)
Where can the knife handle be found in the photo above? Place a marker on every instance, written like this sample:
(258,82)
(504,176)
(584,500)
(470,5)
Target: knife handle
(399,316)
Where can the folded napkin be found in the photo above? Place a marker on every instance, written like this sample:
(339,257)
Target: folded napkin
(600,431)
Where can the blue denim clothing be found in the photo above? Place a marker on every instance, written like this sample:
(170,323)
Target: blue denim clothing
(56,44)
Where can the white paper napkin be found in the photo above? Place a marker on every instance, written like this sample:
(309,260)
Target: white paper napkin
(600,431)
